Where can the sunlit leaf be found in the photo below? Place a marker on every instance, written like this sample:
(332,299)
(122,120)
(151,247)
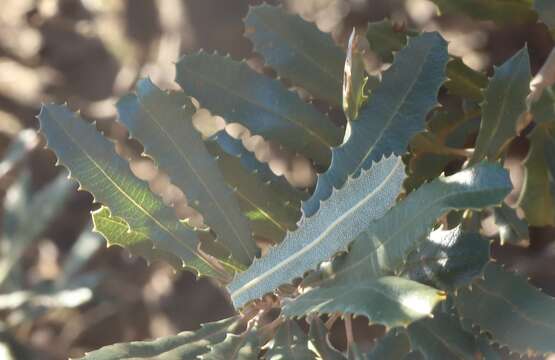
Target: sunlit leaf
(341,218)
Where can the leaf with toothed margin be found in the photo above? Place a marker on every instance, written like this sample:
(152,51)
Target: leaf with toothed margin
(504,103)
(449,259)
(512,229)
(384,245)
(503,12)
(162,122)
(395,112)
(318,336)
(515,313)
(297,50)
(244,346)
(93,162)
(390,301)
(347,212)
(117,232)
(442,337)
(394,345)
(290,343)
(537,198)
(464,81)
(185,345)
(271,204)
(236,92)
(385,39)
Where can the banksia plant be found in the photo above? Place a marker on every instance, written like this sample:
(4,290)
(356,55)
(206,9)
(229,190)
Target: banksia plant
(390,232)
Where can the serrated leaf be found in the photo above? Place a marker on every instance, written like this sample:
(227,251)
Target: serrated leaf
(235,347)
(537,196)
(390,301)
(348,211)
(185,345)
(318,336)
(290,343)
(504,102)
(514,312)
(263,105)
(93,161)
(546,11)
(442,337)
(393,114)
(162,122)
(394,345)
(117,232)
(383,247)
(512,229)
(271,204)
(297,50)
(385,39)
(465,82)
(449,258)
(503,12)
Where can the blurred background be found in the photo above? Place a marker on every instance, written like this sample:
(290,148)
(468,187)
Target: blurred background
(62,292)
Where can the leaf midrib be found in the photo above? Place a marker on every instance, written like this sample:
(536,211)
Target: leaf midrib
(336,79)
(200,179)
(257,104)
(127,196)
(322,235)
(393,236)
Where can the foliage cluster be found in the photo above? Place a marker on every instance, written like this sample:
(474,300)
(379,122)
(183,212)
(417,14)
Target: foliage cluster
(392,230)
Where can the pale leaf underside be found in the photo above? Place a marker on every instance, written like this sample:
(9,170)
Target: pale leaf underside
(348,212)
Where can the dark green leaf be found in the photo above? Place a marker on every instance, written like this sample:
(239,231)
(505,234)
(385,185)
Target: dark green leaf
(385,39)
(449,258)
(297,50)
(393,114)
(233,90)
(235,347)
(290,343)
(514,312)
(391,301)
(271,204)
(504,103)
(93,161)
(442,337)
(186,345)
(465,82)
(347,212)
(162,122)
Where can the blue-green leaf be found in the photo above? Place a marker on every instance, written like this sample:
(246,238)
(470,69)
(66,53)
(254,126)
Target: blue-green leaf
(162,122)
(395,112)
(390,301)
(515,313)
(504,103)
(231,89)
(297,50)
